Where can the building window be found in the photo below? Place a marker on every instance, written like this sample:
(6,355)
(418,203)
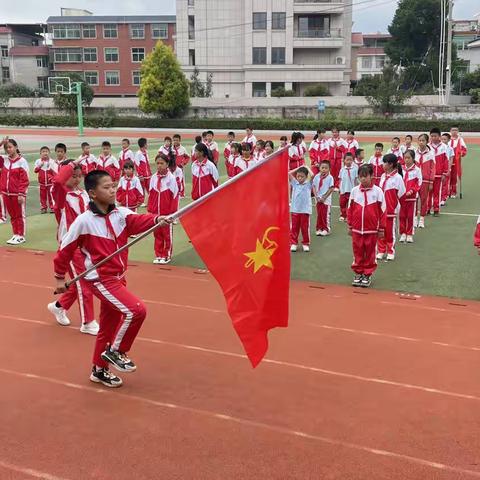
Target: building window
(366,62)
(42,62)
(91,78)
(191,3)
(279,20)
(277,85)
(313,26)
(5,74)
(191,27)
(159,30)
(42,83)
(259,89)
(89,31)
(67,31)
(138,54)
(111,55)
(4,51)
(67,55)
(191,57)
(110,31)
(259,55)
(259,21)
(278,55)
(112,78)
(379,62)
(90,54)
(137,30)
(136,78)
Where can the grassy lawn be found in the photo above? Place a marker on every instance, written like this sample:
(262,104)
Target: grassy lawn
(441,262)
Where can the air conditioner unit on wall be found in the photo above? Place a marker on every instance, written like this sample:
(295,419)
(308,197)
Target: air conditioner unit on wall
(340,60)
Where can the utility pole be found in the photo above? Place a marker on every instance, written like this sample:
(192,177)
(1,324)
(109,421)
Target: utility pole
(449,52)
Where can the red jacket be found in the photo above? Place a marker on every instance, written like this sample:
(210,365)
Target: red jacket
(352,147)
(98,235)
(204,178)
(441,159)
(130,192)
(125,156)
(296,156)
(110,165)
(337,149)
(412,178)
(163,192)
(319,150)
(142,164)
(45,170)
(230,164)
(366,210)
(181,156)
(14,179)
(378,170)
(227,151)
(88,163)
(426,162)
(213,147)
(393,189)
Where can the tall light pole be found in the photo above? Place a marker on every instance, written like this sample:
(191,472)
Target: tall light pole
(449,52)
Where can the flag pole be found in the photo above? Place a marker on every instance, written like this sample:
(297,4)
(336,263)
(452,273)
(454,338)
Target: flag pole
(174,216)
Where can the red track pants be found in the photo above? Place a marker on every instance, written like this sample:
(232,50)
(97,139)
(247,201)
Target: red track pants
(335,167)
(364,251)
(163,241)
(423,199)
(300,222)
(407,216)
(121,316)
(17,214)
(323,217)
(446,187)
(453,180)
(46,199)
(386,244)
(3,212)
(344,198)
(434,195)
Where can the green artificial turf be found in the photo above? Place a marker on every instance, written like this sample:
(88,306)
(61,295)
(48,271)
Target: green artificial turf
(442,261)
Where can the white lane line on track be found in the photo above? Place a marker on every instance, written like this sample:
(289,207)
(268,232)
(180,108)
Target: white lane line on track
(29,471)
(252,423)
(333,373)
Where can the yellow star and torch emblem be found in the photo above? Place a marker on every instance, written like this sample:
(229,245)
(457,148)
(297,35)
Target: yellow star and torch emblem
(264,250)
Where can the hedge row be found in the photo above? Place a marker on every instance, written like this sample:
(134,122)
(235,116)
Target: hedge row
(363,124)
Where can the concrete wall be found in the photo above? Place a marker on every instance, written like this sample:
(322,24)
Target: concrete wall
(24,70)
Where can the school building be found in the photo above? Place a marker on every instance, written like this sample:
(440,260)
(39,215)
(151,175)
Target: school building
(106,50)
(368,54)
(252,47)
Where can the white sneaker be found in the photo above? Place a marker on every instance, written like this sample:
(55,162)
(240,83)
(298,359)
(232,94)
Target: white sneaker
(336,189)
(167,260)
(390,256)
(421,222)
(442,203)
(453,196)
(59,313)
(20,240)
(415,222)
(2,221)
(90,328)
(306,248)
(13,240)
(318,233)
(158,261)
(293,248)
(341,219)
(380,256)
(324,233)
(409,238)
(403,238)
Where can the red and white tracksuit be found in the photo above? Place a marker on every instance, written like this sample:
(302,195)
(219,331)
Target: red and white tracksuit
(69,205)
(348,179)
(251,139)
(162,200)
(142,164)
(398,153)
(378,170)
(14,182)
(241,164)
(180,179)
(259,155)
(321,185)
(227,151)
(366,216)
(125,156)
(425,160)
(337,149)
(165,150)
(88,163)
(230,164)
(352,146)
(460,150)
(446,180)
(441,169)
(130,192)
(319,151)
(45,170)
(394,189)
(296,156)
(110,165)
(476,238)
(97,235)
(181,156)
(213,147)
(204,178)
(412,177)
(301,211)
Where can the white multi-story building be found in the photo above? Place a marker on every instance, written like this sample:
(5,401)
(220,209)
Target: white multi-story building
(255,46)
(368,54)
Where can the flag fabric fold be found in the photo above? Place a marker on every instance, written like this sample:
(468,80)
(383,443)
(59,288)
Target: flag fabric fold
(241,232)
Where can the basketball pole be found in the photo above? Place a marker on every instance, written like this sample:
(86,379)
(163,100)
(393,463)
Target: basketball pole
(77,90)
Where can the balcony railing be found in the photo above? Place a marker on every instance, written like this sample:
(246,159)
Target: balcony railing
(319,33)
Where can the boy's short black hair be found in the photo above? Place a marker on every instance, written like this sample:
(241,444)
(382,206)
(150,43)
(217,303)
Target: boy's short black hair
(126,140)
(351,132)
(379,145)
(358,151)
(321,130)
(167,138)
(84,144)
(249,127)
(76,166)
(62,146)
(395,138)
(129,164)
(409,136)
(198,139)
(44,148)
(446,134)
(303,170)
(283,138)
(106,143)
(204,134)
(142,142)
(93,178)
(232,134)
(348,154)
(366,169)
(325,162)
(209,132)
(177,135)
(435,130)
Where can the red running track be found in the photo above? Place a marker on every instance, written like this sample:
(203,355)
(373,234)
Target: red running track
(362,385)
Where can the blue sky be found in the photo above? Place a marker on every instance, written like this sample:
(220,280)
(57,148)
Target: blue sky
(369,15)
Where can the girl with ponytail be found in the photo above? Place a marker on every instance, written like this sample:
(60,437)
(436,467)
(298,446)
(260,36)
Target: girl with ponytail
(204,172)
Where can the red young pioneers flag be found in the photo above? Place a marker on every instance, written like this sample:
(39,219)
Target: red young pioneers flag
(241,231)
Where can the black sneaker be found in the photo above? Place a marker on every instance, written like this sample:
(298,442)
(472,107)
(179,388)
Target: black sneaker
(436,214)
(119,360)
(366,281)
(357,280)
(105,377)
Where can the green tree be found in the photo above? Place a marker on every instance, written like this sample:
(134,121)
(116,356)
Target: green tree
(367,86)
(197,89)
(471,81)
(389,94)
(209,85)
(68,102)
(317,90)
(164,89)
